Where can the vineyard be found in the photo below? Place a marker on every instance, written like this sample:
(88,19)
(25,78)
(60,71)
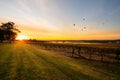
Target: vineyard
(105,52)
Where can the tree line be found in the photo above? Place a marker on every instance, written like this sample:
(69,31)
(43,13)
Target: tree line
(8,32)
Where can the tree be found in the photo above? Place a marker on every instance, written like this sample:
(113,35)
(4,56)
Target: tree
(8,31)
(1,35)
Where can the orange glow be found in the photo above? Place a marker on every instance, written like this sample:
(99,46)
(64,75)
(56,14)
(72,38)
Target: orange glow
(41,34)
(22,37)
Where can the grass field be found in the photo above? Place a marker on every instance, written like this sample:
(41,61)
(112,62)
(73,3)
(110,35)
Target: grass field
(21,61)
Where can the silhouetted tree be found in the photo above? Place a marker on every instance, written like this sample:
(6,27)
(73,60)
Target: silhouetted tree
(1,35)
(8,31)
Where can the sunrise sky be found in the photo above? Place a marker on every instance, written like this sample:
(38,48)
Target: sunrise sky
(63,19)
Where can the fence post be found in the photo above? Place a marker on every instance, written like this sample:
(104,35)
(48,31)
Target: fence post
(102,56)
(117,55)
(90,56)
(79,53)
(73,50)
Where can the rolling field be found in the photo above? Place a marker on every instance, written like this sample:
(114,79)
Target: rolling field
(21,61)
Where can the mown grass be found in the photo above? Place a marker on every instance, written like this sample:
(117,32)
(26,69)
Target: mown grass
(20,61)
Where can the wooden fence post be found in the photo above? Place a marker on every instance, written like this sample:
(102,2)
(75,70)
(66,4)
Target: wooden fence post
(73,50)
(102,55)
(79,53)
(117,55)
(90,54)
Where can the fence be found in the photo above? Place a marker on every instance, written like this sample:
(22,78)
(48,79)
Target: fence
(87,52)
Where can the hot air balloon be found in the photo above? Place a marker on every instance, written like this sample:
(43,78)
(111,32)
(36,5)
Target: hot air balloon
(84,27)
(83,19)
(73,24)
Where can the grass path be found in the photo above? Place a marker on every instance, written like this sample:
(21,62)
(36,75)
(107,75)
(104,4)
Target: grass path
(20,61)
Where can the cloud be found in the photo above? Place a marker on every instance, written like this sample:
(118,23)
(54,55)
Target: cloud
(44,5)
(24,5)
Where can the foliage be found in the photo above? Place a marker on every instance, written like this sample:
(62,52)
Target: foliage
(8,31)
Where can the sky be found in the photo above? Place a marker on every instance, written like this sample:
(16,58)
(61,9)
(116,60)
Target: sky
(63,19)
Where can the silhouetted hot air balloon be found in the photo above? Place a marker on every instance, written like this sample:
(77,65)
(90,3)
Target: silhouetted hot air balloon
(73,24)
(83,19)
(103,23)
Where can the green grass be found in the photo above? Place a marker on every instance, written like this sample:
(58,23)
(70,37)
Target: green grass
(20,61)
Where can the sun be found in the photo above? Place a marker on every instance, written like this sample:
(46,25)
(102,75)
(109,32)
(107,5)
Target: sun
(21,37)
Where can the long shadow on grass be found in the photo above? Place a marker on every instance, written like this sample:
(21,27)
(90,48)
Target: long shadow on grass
(72,74)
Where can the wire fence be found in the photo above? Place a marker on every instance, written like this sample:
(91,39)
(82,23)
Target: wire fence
(82,51)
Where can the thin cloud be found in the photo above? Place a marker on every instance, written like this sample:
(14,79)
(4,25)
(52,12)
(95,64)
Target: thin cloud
(23,4)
